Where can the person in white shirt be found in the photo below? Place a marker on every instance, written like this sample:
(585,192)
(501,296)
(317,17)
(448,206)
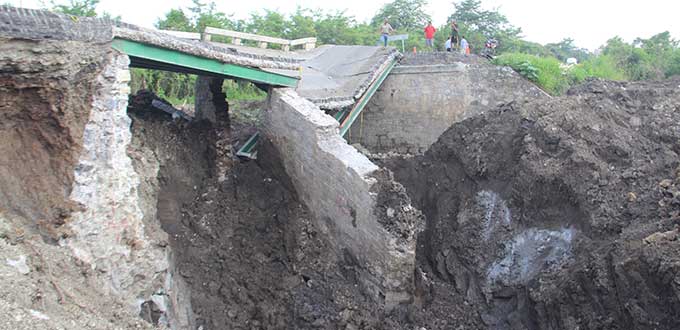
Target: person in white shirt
(464,46)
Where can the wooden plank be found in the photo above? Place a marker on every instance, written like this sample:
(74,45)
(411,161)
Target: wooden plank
(193,62)
(246,36)
(302,41)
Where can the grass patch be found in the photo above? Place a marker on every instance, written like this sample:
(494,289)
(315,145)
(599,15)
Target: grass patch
(554,77)
(242,91)
(544,71)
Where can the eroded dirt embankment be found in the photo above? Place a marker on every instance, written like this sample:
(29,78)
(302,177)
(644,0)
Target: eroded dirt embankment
(246,247)
(559,214)
(44,104)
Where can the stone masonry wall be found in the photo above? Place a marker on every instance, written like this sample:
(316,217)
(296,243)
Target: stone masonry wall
(364,213)
(417,103)
(115,232)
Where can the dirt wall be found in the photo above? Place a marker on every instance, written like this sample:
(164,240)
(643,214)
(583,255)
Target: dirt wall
(45,99)
(559,214)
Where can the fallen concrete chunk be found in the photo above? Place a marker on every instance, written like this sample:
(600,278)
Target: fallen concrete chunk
(349,196)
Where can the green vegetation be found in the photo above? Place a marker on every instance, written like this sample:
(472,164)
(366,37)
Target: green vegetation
(242,90)
(654,58)
(82,8)
(544,71)
(554,76)
(176,88)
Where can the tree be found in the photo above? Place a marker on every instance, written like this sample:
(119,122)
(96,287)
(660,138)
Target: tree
(207,15)
(478,24)
(272,23)
(83,8)
(301,24)
(566,49)
(407,15)
(340,29)
(176,20)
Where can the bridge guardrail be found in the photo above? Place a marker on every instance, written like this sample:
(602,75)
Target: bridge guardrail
(263,41)
(183,35)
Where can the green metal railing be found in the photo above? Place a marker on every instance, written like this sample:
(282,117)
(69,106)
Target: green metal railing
(349,119)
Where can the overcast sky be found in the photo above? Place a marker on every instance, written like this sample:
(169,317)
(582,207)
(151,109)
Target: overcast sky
(589,22)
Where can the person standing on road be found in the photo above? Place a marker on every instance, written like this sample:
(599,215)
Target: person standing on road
(385,31)
(455,35)
(429,35)
(464,46)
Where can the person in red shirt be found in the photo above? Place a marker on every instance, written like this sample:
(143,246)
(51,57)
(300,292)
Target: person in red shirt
(429,34)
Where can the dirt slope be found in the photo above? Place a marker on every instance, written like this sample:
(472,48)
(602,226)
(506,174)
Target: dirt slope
(559,214)
(246,247)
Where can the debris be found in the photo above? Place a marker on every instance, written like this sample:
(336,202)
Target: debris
(19,264)
(39,315)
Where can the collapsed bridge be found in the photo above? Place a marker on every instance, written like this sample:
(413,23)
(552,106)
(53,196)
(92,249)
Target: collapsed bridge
(319,100)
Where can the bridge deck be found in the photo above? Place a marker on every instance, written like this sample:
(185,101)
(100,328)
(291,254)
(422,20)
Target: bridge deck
(154,57)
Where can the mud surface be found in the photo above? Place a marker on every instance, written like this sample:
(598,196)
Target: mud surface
(558,214)
(246,247)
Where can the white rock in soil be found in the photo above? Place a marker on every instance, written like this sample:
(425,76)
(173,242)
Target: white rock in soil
(19,264)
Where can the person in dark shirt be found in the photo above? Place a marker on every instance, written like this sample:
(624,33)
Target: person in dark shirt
(455,35)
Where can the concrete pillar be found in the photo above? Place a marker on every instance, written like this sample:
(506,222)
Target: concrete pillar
(211,102)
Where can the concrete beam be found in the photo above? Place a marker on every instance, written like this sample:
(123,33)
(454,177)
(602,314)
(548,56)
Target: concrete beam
(184,60)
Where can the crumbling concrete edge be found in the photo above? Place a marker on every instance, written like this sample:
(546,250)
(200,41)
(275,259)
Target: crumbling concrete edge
(355,203)
(202,49)
(336,103)
(130,259)
(45,25)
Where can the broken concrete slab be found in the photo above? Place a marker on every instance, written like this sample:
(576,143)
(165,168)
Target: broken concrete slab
(349,196)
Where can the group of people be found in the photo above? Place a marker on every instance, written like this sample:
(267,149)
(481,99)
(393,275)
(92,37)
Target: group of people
(455,43)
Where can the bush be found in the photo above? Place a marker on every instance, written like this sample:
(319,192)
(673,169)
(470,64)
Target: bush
(242,90)
(597,67)
(544,71)
(554,77)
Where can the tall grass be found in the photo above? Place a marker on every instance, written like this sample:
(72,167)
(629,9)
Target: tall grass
(242,91)
(554,77)
(602,66)
(550,76)
(179,89)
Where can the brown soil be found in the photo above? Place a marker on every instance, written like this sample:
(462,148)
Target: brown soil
(44,102)
(246,246)
(559,214)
